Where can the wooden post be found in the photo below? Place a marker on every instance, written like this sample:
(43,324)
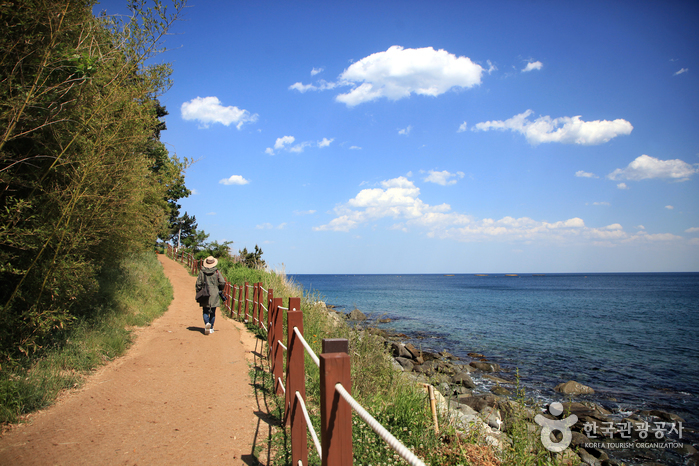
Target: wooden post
(245,303)
(296,382)
(255,298)
(259,304)
(275,335)
(294,318)
(270,297)
(335,412)
(240,300)
(260,308)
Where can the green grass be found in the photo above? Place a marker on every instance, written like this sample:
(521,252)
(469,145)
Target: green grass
(132,294)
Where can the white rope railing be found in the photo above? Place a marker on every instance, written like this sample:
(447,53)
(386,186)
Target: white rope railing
(399,448)
(281,384)
(309,425)
(285,308)
(264,307)
(308,348)
(262,288)
(282,345)
(263,326)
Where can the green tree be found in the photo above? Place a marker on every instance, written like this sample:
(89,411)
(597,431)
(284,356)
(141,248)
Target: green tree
(83,176)
(252,259)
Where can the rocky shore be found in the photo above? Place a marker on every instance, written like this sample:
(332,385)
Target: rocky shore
(477,392)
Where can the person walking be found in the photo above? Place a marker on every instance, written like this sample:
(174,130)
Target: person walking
(211,279)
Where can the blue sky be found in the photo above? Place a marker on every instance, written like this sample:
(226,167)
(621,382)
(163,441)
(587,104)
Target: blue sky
(441,137)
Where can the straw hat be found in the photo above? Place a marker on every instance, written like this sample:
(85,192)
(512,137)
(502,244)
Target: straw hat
(210,261)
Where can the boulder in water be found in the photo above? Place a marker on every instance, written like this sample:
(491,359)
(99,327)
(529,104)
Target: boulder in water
(573,388)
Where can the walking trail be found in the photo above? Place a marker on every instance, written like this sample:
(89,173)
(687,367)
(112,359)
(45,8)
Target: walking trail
(177,397)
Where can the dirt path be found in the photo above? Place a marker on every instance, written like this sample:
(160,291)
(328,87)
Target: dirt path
(177,397)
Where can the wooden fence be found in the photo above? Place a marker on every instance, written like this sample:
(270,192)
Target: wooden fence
(336,402)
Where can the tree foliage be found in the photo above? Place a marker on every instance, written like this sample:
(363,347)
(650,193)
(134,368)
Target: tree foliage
(84,178)
(252,259)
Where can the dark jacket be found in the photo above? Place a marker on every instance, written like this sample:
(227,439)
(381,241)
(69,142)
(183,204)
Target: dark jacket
(212,278)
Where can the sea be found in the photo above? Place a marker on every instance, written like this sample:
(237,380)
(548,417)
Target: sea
(632,337)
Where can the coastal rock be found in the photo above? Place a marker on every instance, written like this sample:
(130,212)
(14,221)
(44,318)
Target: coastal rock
(385,320)
(686,449)
(498,390)
(513,410)
(573,388)
(492,417)
(423,369)
(464,379)
(478,402)
(579,439)
(497,380)
(580,409)
(405,363)
(399,350)
(485,366)
(662,415)
(587,458)
(430,356)
(357,315)
(476,355)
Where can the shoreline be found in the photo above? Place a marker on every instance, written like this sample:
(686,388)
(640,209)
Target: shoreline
(475,381)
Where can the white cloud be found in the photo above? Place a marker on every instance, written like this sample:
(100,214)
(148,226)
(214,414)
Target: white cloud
(234,179)
(683,70)
(304,212)
(462,128)
(398,199)
(537,65)
(194,192)
(443,178)
(405,131)
(322,85)
(285,143)
(566,130)
(298,148)
(669,207)
(280,143)
(303,87)
(646,167)
(622,186)
(692,230)
(355,148)
(209,110)
(397,73)
(605,203)
(315,71)
(583,174)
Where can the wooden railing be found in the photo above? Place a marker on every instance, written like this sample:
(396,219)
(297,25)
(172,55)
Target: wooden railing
(336,402)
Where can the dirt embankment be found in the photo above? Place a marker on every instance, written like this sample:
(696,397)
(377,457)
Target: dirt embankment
(177,397)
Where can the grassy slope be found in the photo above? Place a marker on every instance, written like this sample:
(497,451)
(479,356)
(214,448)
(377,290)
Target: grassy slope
(132,293)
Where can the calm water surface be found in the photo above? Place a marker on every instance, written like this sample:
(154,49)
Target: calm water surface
(631,337)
